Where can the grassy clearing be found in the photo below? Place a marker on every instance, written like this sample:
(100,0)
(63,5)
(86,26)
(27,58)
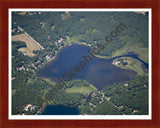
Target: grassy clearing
(73,39)
(103,57)
(22,13)
(82,19)
(84,89)
(50,82)
(13,91)
(65,16)
(141,51)
(26,51)
(52,27)
(30,42)
(76,39)
(26,13)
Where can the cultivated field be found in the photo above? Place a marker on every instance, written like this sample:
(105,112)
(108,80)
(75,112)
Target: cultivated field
(30,42)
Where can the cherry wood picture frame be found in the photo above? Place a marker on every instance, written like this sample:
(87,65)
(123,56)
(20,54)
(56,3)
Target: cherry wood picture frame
(106,4)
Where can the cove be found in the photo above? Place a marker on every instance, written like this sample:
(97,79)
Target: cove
(98,72)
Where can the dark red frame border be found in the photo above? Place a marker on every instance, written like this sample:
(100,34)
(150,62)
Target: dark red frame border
(6,4)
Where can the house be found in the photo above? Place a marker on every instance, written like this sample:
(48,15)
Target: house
(67,37)
(107,98)
(48,57)
(21,68)
(30,107)
(125,61)
(89,44)
(145,85)
(60,40)
(117,62)
(56,42)
(135,110)
(125,85)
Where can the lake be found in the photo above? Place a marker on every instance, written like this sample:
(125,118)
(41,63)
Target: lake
(97,71)
(60,110)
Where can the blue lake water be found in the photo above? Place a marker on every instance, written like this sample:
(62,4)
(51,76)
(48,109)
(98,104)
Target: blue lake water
(97,71)
(59,110)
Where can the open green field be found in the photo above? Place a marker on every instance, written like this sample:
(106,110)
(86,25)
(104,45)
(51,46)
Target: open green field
(65,16)
(140,50)
(83,89)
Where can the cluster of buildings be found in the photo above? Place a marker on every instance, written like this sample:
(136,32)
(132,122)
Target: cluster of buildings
(30,107)
(59,41)
(120,61)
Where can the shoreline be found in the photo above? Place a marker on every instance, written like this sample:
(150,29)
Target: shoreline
(45,103)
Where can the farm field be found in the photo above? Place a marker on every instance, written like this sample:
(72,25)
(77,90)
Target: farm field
(30,42)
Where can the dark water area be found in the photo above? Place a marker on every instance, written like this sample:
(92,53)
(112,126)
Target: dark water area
(59,110)
(97,71)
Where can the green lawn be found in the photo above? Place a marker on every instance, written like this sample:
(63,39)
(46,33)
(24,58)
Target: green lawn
(140,50)
(82,89)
